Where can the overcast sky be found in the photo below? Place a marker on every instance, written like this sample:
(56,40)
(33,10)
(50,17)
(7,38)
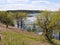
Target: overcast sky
(29,4)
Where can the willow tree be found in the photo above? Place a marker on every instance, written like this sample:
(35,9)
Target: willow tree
(48,22)
(19,16)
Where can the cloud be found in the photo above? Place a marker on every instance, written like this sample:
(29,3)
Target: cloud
(23,7)
(16,1)
(2,1)
(26,5)
(2,7)
(40,1)
(57,4)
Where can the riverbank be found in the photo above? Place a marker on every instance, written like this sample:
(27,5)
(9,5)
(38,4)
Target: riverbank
(15,36)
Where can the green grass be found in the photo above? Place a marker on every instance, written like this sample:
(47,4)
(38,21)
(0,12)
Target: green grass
(56,42)
(11,38)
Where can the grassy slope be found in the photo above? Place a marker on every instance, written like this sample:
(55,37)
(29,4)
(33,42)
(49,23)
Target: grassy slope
(14,36)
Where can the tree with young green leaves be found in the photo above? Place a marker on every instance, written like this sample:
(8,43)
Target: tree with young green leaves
(48,22)
(6,18)
(19,16)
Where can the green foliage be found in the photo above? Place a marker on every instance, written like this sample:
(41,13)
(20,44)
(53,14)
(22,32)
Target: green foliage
(48,21)
(10,20)
(12,38)
(6,18)
(19,16)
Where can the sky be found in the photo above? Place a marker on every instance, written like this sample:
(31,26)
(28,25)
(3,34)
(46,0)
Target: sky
(29,4)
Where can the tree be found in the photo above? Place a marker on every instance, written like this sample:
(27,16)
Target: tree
(19,16)
(48,21)
(6,18)
(9,20)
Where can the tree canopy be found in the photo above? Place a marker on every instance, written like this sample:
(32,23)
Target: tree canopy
(48,21)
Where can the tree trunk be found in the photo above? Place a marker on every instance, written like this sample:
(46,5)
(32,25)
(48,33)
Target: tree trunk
(6,26)
(21,23)
(48,34)
(59,35)
(17,24)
